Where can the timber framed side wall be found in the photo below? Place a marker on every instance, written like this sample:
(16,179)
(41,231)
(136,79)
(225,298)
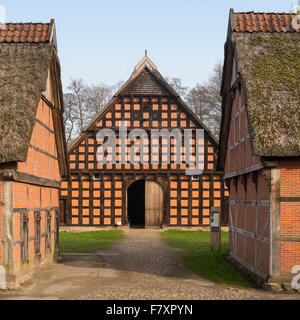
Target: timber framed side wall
(250,189)
(33,206)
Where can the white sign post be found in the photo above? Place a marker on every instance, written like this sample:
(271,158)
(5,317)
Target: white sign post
(2,278)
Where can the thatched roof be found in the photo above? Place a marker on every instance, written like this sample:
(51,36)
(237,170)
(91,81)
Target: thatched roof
(23,75)
(269,67)
(262,53)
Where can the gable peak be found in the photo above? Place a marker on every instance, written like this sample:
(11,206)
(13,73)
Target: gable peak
(144,62)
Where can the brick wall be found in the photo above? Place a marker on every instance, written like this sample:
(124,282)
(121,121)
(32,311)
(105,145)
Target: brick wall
(42,153)
(290,215)
(203,194)
(249,195)
(31,199)
(100,202)
(96,202)
(289,256)
(133,112)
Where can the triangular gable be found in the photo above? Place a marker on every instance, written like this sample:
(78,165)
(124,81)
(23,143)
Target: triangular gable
(145,84)
(145,80)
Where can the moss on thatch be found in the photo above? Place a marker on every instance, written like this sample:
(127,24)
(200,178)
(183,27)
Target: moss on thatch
(269,65)
(23,75)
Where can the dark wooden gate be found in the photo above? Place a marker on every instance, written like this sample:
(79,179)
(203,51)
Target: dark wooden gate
(25,239)
(37,238)
(225,213)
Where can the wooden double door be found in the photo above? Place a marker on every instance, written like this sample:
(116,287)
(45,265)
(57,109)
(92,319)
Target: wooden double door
(145,199)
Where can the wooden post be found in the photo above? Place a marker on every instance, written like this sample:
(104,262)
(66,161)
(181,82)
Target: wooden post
(275,222)
(7,218)
(215,227)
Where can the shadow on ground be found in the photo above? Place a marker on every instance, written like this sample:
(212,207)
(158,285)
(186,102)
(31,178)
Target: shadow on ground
(140,266)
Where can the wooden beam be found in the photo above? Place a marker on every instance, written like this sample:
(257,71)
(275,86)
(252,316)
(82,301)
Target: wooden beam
(244,171)
(69,204)
(289,199)
(260,203)
(275,222)
(141,171)
(270,164)
(7,226)
(9,165)
(249,234)
(289,239)
(190,208)
(30,179)
(43,152)
(47,102)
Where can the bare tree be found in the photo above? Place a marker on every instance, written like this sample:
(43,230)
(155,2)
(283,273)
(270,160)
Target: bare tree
(198,98)
(205,100)
(83,103)
(77,100)
(96,98)
(69,115)
(177,85)
(117,86)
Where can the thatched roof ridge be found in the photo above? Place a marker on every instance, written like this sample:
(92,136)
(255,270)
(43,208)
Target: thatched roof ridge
(269,67)
(23,74)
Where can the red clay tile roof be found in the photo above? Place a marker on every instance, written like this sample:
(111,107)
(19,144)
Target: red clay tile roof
(25,33)
(264,22)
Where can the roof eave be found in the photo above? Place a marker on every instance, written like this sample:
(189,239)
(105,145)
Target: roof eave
(160,78)
(51,35)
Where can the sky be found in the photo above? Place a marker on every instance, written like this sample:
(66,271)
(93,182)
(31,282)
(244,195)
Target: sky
(101,41)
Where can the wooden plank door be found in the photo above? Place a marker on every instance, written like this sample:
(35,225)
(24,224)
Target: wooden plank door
(154,204)
(62,210)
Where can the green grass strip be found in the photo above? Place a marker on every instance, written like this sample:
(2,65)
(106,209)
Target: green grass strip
(210,265)
(88,241)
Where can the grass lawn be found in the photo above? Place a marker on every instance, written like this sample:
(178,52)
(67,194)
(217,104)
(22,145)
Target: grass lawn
(88,241)
(199,258)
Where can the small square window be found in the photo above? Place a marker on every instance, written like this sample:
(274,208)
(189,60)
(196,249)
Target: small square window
(97,176)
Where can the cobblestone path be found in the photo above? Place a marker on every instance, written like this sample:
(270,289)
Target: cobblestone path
(140,266)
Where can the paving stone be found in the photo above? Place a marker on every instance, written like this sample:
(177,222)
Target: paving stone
(140,266)
(272,286)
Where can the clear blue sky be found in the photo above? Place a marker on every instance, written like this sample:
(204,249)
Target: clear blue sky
(101,41)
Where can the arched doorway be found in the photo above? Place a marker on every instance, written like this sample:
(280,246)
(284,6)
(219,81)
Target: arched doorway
(136,204)
(145,204)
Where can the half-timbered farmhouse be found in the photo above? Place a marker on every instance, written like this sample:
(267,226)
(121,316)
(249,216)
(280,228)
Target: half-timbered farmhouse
(148,194)
(260,141)
(33,155)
